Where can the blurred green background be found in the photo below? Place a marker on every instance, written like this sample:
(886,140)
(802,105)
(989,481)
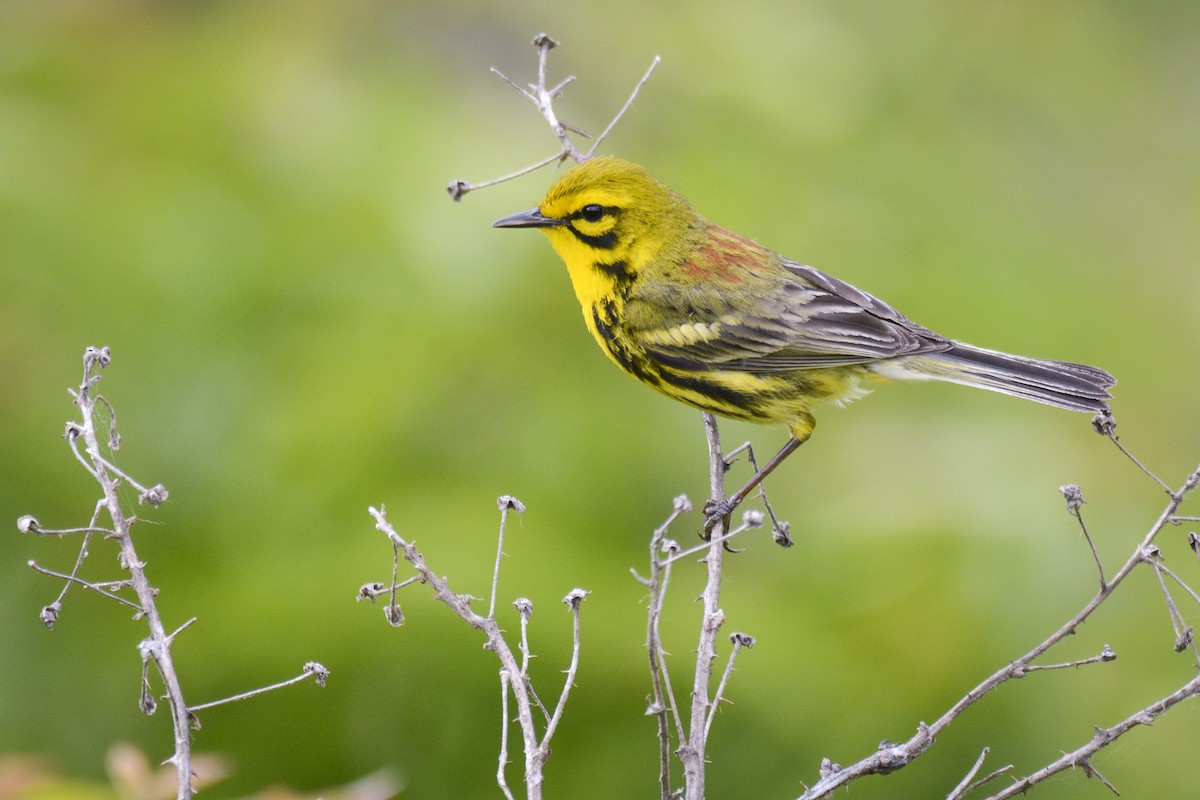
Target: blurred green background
(246,202)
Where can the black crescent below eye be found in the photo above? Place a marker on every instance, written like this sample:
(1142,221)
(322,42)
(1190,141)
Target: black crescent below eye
(593,212)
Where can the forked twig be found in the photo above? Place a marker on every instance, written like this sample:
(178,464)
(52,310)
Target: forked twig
(514,678)
(663,706)
(543,97)
(1103,737)
(968,784)
(156,647)
(891,757)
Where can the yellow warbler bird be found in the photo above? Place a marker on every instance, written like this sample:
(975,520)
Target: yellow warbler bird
(723,324)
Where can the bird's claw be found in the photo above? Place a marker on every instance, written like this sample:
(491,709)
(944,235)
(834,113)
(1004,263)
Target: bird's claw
(715,512)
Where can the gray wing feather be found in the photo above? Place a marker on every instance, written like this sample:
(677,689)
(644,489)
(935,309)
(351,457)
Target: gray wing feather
(812,321)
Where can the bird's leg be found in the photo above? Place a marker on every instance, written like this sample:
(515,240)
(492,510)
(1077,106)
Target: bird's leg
(715,512)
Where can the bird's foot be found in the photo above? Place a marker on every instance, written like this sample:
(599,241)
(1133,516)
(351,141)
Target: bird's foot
(716,512)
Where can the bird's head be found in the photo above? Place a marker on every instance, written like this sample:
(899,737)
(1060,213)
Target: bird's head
(609,218)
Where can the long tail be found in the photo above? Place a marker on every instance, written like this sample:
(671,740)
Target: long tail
(1077,387)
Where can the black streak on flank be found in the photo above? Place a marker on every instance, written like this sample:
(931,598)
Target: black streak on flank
(723,400)
(631,363)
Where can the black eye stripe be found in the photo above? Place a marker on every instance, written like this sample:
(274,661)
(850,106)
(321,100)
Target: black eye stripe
(605,241)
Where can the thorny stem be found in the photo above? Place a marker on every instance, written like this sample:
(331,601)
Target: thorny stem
(512,677)
(662,705)
(891,757)
(692,736)
(1102,738)
(524,608)
(573,599)
(157,646)
(738,640)
(461,606)
(693,749)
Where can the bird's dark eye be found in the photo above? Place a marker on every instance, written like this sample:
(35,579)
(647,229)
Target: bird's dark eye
(593,212)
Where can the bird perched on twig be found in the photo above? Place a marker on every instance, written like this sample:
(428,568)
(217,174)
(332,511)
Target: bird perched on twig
(719,322)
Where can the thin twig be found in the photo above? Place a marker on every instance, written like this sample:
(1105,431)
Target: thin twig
(781,531)
(171,636)
(662,703)
(29,524)
(573,599)
(93,451)
(968,784)
(1103,657)
(738,640)
(1074,497)
(524,608)
(1111,434)
(536,748)
(311,670)
(505,678)
(459,187)
(371,591)
(33,527)
(1171,574)
(751,519)
(95,587)
(506,504)
(632,96)
(72,434)
(1183,631)
(1102,738)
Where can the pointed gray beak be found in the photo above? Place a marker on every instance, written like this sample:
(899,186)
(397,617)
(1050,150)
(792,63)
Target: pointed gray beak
(528,219)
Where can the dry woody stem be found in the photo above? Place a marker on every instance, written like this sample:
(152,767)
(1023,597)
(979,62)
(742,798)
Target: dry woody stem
(99,460)
(890,757)
(514,676)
